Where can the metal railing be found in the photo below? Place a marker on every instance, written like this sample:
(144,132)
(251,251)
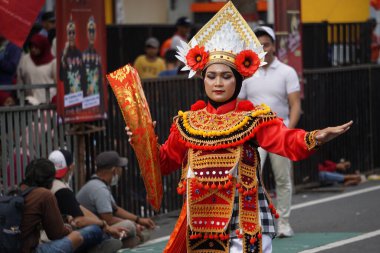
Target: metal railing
(336,44)
(27,132)
(332,96)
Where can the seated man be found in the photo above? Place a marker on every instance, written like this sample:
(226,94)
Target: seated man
(41,211)
(331,172)
(69,206)
(96,196)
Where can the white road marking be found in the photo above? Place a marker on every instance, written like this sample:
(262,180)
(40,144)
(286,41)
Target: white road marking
(343,242)
(294,207)
(340,196)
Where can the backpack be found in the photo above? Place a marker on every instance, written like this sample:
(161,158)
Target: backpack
(11,211)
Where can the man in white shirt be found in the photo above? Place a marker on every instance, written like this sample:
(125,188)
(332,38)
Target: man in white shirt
(277,86)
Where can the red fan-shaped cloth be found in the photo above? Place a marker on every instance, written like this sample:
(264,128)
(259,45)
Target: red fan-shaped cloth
(126,86)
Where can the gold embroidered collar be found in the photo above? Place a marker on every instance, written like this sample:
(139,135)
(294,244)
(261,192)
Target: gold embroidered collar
(214,131)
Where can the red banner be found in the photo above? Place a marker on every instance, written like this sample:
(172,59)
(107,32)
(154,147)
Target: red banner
(81,60)
(17,17)
(375,4)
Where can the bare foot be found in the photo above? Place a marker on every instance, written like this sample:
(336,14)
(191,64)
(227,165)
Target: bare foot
(351,183)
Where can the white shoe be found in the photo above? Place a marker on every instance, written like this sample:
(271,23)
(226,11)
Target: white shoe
(284,230)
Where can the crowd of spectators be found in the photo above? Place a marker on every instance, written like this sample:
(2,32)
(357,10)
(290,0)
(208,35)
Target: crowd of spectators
(33,64)
(161,61)
(54,219)
(36,62)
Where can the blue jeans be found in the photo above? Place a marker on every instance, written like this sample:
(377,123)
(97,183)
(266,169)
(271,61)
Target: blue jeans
(92,235)
(57,246)
(331,177)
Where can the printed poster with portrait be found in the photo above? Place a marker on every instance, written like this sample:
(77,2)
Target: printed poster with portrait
(81,60)
(289,36)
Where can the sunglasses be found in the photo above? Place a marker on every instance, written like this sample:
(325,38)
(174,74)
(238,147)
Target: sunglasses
(71,32)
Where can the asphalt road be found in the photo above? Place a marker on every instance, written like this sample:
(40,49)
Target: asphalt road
(334,221)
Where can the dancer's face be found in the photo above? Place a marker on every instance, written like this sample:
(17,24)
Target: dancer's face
(220,82)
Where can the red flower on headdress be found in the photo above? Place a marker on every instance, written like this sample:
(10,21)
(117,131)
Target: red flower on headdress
(197,58)
(247,62)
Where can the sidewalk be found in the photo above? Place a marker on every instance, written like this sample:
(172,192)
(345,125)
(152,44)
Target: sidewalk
(165,224)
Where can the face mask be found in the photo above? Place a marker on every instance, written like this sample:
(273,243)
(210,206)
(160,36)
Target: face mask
(115,180)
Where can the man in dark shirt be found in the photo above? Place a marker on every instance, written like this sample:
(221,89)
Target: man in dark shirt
(41,209)
(69,206)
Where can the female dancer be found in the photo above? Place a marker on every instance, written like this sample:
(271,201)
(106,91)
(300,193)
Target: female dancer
(226,208)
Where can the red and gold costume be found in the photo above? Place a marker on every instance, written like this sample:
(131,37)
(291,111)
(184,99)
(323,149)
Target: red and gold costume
(217,150)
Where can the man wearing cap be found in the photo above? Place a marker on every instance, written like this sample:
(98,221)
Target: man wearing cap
(183,26)
(96,196)
(277,85)
(78,215)
(149,65)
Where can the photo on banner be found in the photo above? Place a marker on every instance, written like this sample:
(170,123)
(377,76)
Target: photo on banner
(289,36)
(81,60)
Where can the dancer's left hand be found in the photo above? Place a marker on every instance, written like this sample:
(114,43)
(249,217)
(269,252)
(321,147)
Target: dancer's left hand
(329,133)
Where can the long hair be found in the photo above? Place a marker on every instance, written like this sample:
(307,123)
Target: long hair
(40,173)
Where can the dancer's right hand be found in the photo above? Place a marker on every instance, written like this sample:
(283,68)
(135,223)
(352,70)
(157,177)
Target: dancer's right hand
(130,134)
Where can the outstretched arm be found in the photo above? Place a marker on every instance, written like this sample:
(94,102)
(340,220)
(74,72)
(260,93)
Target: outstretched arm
(296,144)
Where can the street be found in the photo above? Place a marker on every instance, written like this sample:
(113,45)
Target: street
(333,221)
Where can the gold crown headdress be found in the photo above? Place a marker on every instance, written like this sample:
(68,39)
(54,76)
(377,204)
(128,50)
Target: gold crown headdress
(226,38)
